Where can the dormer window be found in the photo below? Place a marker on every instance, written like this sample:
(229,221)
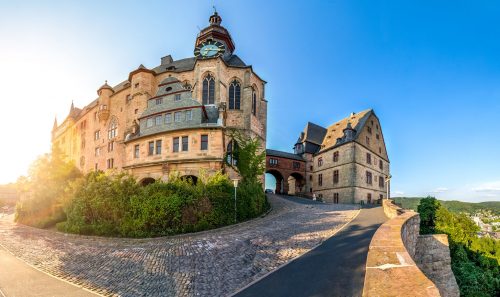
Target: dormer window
(189,115)
(177,97)
(159,101)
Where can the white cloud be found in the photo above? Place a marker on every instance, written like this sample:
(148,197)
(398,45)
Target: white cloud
(489,188)
(440,190)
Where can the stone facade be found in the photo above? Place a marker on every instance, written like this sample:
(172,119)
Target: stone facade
(103,135)
(341,157)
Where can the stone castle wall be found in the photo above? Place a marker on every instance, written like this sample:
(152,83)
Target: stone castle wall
(401,262)
(433,258)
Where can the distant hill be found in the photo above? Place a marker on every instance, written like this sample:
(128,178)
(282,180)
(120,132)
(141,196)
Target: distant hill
(451,205)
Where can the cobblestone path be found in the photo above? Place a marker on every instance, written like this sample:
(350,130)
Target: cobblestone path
(210,263)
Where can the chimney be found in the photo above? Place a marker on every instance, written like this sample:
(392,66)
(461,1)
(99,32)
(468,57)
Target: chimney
(166,60)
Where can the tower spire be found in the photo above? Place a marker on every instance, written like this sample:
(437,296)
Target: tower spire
(55,123)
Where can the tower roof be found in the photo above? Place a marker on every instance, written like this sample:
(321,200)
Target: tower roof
(105,86)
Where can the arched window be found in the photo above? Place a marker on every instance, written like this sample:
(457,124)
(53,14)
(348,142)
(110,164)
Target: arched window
(234,95)
(254,102)
(113,129)
(232,153)
(208,96)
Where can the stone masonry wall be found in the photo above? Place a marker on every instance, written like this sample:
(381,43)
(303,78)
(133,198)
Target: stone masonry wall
(402,262)
(433,258)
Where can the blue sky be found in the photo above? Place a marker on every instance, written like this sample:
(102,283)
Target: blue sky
(429,69)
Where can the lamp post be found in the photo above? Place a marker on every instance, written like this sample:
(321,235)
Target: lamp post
(387,181)
(235,183)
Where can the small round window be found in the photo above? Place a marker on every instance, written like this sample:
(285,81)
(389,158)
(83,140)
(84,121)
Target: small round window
(168,89)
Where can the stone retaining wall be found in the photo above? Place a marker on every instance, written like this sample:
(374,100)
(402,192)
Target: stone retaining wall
(433,258)
(401,262)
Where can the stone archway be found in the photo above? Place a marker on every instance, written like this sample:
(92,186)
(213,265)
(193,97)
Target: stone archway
(147,181)
(190,178)
(296,184)
(281,185)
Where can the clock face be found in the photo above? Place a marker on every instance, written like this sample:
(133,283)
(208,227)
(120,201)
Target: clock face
(209,49)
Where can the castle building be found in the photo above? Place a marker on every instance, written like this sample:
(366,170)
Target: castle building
(174,118)
(344,163)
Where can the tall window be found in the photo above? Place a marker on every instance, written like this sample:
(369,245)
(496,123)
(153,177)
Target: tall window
(204,142)
(369,198)
(381,181)
(111,146)
(151,148)
(380,164)
(176,144)
(335,156)
(320,162)
(254,102)
(185,143)
(113,129)
(110,163)
(368,158)
(335,197)
(234,95)
(189,115)
(335,176)
(136,151)
(369,177)
(158,147)
(320,179)
(208,96)
(273,162)
(97,135)
(159,101)
(367,140)
(232,153)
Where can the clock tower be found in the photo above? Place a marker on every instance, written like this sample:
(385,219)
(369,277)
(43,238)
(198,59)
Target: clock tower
(214,40)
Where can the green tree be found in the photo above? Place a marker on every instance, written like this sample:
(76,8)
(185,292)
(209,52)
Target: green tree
(427,209)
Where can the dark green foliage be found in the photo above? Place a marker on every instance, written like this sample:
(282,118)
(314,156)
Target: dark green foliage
(100,204)
(427,209)
(46,190)
(475,261)
(115,205)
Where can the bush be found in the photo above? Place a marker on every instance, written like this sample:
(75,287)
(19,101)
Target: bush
(116,205)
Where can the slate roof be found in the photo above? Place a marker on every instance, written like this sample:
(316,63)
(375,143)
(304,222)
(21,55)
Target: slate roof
(281,154)
(168,65)
(313,133)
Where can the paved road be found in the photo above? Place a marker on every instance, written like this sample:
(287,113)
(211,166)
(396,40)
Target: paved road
(19,279)
(335,268)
